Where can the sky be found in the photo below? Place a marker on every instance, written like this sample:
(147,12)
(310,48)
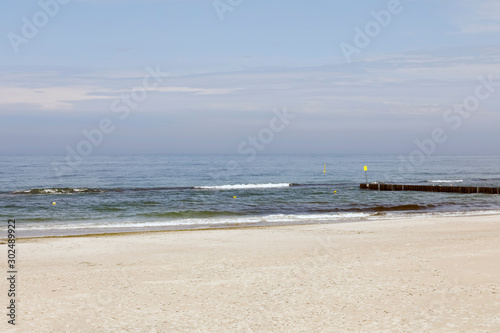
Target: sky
(219,77)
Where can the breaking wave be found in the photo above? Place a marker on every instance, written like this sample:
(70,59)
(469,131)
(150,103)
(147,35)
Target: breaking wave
(243,186)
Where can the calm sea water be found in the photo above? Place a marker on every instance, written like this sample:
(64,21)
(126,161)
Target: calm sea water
(126,193)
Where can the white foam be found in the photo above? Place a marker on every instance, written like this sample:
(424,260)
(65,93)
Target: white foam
(399,216)
(243,186)
(267,219)
(312,217)
(446,181)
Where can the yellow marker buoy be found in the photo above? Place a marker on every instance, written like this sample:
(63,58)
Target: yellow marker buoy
(334,191)
(234,197)
(54,203)
(324,167)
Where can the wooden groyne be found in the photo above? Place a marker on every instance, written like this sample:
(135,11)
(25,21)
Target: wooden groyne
(430,188)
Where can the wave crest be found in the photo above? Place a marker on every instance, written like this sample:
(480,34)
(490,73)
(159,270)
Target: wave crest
(243,186)
(65,190)
(446,181)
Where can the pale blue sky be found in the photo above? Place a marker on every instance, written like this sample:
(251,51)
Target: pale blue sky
(226,76)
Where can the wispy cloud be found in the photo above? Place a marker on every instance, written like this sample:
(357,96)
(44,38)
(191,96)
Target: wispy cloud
(53,98)
(197,91)
(63,98)
(405,83)
(480,16)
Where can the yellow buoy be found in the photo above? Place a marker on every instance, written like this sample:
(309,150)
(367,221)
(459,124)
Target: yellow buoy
(334,191)
(324,167)
(54,203)
(234,197)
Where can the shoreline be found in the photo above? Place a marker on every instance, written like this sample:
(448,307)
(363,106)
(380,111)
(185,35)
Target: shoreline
(423,274)
(222,226)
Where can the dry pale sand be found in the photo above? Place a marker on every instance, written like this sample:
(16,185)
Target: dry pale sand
(432,275)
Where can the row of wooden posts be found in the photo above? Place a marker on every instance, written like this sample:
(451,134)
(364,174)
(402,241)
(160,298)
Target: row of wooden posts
(430,188)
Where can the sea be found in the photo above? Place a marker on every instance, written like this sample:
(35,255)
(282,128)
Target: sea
(56,196)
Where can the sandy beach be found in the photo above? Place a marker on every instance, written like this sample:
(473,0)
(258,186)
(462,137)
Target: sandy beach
(417,275)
